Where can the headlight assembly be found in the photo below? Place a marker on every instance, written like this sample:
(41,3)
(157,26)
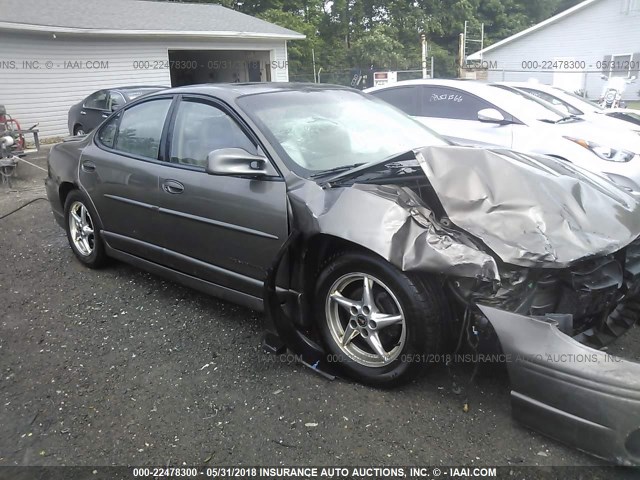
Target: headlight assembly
(605,153)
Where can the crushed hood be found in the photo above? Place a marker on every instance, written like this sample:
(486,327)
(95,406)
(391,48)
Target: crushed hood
(530,210)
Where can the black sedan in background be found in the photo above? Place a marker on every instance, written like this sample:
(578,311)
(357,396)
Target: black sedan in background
(87,114)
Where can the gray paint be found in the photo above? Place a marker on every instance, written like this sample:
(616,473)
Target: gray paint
(548,214)
(569,391)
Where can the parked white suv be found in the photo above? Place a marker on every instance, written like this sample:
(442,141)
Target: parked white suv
(474,113)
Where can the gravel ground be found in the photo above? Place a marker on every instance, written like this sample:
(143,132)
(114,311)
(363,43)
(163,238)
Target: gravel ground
(118,367)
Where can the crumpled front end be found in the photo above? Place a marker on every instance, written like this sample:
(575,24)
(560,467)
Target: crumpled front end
(548,253)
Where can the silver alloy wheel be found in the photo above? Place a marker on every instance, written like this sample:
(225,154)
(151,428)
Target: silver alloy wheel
(356,324)
(80,131)
(81,228)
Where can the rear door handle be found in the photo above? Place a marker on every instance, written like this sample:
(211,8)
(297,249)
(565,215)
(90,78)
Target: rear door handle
(82,112)
(88,166)
(172,186)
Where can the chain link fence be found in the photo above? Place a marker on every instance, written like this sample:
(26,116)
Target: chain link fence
(350,77)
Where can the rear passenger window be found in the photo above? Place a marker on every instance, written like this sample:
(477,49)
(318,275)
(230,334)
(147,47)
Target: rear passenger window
(442,102)
(403,98)
(107,134)
(140,129)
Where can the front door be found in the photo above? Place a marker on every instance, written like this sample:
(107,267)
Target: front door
(224,229)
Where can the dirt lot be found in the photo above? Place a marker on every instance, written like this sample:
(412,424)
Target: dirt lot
(118,367)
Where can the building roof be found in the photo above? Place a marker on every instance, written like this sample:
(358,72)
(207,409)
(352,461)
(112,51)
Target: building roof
(561,16)
(136,17)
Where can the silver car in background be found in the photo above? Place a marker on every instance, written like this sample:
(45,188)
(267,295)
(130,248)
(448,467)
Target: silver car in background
(474,113)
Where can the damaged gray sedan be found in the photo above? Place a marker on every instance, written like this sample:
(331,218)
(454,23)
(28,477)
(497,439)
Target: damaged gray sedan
(371,243)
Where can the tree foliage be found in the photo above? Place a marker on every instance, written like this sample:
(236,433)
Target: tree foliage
(385,34)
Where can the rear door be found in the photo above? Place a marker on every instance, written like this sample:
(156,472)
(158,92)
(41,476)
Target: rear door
(224,229)
(119,172)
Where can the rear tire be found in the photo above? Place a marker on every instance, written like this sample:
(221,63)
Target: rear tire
(378,324)
(79,130)
(83,230)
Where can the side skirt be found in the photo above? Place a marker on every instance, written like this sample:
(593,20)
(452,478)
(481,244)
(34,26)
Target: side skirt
(203,286)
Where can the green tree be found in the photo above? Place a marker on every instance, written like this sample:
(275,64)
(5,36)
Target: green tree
(359,33)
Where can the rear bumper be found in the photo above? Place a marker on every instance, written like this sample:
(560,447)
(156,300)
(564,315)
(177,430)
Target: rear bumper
(568,391)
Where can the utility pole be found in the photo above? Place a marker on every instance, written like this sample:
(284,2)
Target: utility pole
(313,57)
(423,40)
(461,54)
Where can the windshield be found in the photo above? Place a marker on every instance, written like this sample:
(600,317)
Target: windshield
(319,130)
(586,102)
(526,105)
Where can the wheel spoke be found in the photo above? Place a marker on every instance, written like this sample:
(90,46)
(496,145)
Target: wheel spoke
(349,334)
(374,342)
(83,216)
(367,292)
(76,218)
(87,230)
(384,320)
(344,302)
(85,243)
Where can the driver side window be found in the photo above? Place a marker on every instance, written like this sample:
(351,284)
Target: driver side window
(201,128)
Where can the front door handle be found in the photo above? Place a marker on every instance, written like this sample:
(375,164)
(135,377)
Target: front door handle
(105,115)
(88,167)
(172,186)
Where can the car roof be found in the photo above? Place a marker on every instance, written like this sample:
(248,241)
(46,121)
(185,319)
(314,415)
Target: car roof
(231,91)
(139,87)
(481,89)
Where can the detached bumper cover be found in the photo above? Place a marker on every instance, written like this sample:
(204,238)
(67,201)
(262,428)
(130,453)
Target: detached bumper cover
(568,391)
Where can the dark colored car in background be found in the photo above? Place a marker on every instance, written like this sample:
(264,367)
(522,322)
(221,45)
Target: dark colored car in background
(372,243)
(86,115)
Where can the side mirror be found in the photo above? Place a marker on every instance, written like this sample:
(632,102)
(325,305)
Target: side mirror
(236,161)
(491,115)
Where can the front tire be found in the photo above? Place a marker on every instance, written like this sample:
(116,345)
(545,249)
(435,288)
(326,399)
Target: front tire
(83,231)
(377,323)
